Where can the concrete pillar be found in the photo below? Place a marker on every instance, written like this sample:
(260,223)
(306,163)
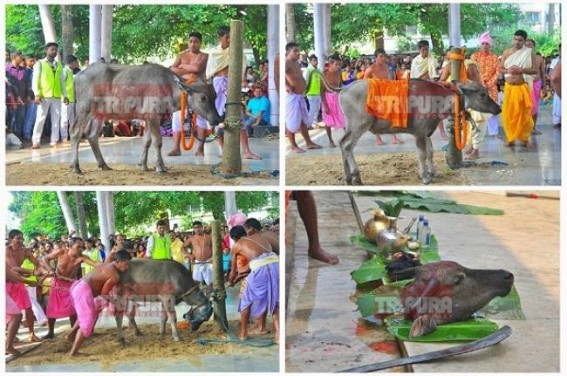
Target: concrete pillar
(102,220)
(319,32)
(47,23)
(110,212)
(106,32)
(273,49)
(94,32)
(455,24)
(229,203)
(327,29)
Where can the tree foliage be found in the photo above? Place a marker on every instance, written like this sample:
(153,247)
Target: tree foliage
(141,31)
(360,22)
(41,214)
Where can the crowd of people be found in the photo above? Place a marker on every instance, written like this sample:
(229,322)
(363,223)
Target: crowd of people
(310,104)
(43,274)
(36,88)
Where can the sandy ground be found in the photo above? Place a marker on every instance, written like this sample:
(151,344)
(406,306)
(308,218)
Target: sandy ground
(121,174)
(102,346)
(377,169)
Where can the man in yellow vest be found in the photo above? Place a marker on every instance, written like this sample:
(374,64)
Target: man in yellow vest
(68,109)
(49,87)
(159,243)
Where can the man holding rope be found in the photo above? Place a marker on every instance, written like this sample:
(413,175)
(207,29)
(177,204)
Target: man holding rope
(190,65)
(15,289)
(69,262)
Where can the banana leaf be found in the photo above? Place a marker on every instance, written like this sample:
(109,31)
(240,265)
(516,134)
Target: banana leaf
(508,307)
(371,270)
(469,330)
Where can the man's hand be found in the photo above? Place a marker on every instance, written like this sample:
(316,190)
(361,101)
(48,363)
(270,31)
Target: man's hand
(515,70)
(37,99)
(66,100)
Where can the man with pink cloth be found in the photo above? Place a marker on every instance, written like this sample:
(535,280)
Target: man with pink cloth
(98,283)
(261,293)
(15,289)
(69,262)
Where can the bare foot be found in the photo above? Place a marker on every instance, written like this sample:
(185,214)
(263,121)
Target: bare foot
(250,155)
(243,337)
(379,141)
(277,339)
(199,153)
(34,338)
(70,337)
(332,144)
(444,137)
(77,354)
(297,149)
(49,336)
(510,144)
(12,350)
(258,331)
(174,153)
(313,145)
(529,145)
(322,255)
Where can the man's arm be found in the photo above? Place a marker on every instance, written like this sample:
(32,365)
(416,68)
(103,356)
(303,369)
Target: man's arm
(233,253)
(176,67)
(473,74)
(88,260)
(198,67)
(150,247)
(109,284)
(542,72)
(35,77)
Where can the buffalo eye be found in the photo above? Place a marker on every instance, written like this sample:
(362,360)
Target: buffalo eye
(457,279)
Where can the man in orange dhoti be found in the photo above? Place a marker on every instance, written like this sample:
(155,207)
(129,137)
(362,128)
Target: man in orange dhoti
(517,66)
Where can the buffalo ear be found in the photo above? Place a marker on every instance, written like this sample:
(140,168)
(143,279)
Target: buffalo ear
(421,326)
(458,87)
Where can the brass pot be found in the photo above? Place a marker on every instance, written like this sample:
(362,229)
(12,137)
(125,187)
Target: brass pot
(375,225)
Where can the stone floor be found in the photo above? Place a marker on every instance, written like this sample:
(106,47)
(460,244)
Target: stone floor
(540,166)
(324,333)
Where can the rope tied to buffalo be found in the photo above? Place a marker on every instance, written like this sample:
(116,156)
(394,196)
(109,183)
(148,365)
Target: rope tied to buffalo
(460,121)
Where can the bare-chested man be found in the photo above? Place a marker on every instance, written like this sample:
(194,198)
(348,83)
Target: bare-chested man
(517,64)
(539,78)
(13,312)
(201,255)
(191,65)
(253,226)
(379,70)
(69,260)
(296,114)
(217,70)
(15,256)
(261,293)
(99,282)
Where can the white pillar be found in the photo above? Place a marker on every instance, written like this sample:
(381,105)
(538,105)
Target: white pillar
(318,30)
(106,32)
(273,48)
(102,220)
(94,33)
(110,212)
(327,29)
(455,24)
(230,202)
(47,23)
(67,212)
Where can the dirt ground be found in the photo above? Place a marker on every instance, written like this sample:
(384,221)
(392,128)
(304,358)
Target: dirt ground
(60,174)
(102,346)
(377,169)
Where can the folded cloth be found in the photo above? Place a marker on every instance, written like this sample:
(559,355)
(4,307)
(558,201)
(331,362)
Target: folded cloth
(60,302)
(388,100)
(262,287)
(17,291)
(84,304)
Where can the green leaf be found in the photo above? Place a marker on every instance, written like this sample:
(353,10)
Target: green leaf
(468,330)
(372,270)
(362,242)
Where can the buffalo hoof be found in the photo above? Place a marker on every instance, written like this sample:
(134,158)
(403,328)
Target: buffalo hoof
(176,339)
(105,168)
(158,171)
(77,170)
(122,342)
(144,168)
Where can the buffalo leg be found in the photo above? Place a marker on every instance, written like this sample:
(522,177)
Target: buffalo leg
(92,136)
(118,315)
(421,144)
(76,135)
(133,326)
(157,141)
(146,147)
(429,158)
(347,144)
